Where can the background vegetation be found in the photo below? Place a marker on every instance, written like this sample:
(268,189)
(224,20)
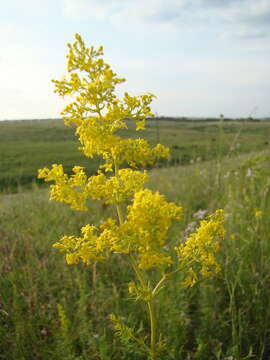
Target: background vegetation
(49,310)
(29,145)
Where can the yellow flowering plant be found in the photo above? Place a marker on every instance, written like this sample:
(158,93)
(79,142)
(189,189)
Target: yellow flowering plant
(140,229)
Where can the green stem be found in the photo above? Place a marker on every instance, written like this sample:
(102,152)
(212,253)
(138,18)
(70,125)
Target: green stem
(137,271)
(159,284)
(118,207)
(153,325)
(119,213)
(166,277)
(151,308)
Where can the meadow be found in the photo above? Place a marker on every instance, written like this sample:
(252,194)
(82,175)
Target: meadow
(29,145)
(49,310)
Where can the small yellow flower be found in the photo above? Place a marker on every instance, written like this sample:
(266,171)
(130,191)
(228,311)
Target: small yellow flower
(258,214)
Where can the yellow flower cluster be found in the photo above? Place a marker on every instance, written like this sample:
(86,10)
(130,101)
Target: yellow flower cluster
(141,231)
(198,252)
(75,189)
(116,189)
(85,248)
(68,189)
(143,234)
(98,113)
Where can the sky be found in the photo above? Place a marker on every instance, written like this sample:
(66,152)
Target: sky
(200,58)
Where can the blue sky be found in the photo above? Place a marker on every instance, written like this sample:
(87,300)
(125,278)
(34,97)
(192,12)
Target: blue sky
(199,57)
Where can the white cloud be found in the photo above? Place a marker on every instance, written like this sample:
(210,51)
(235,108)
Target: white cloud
(126,10)
(254,14)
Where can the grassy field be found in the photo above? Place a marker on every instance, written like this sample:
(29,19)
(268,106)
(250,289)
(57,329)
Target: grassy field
(29,145)
(49,310)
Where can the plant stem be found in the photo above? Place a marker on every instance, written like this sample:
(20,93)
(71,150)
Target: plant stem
(118,207)
(166,277)
(137,271)
(153,324)
(119,213)
(151,309)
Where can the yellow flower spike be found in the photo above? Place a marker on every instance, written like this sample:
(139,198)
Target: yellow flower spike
(200,248)
(144,217)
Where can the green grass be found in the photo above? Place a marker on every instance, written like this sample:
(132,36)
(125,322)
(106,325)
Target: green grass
(27,146)
(49,310)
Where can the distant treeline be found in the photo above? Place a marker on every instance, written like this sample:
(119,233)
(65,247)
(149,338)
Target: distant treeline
(195,119)
(173,118)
